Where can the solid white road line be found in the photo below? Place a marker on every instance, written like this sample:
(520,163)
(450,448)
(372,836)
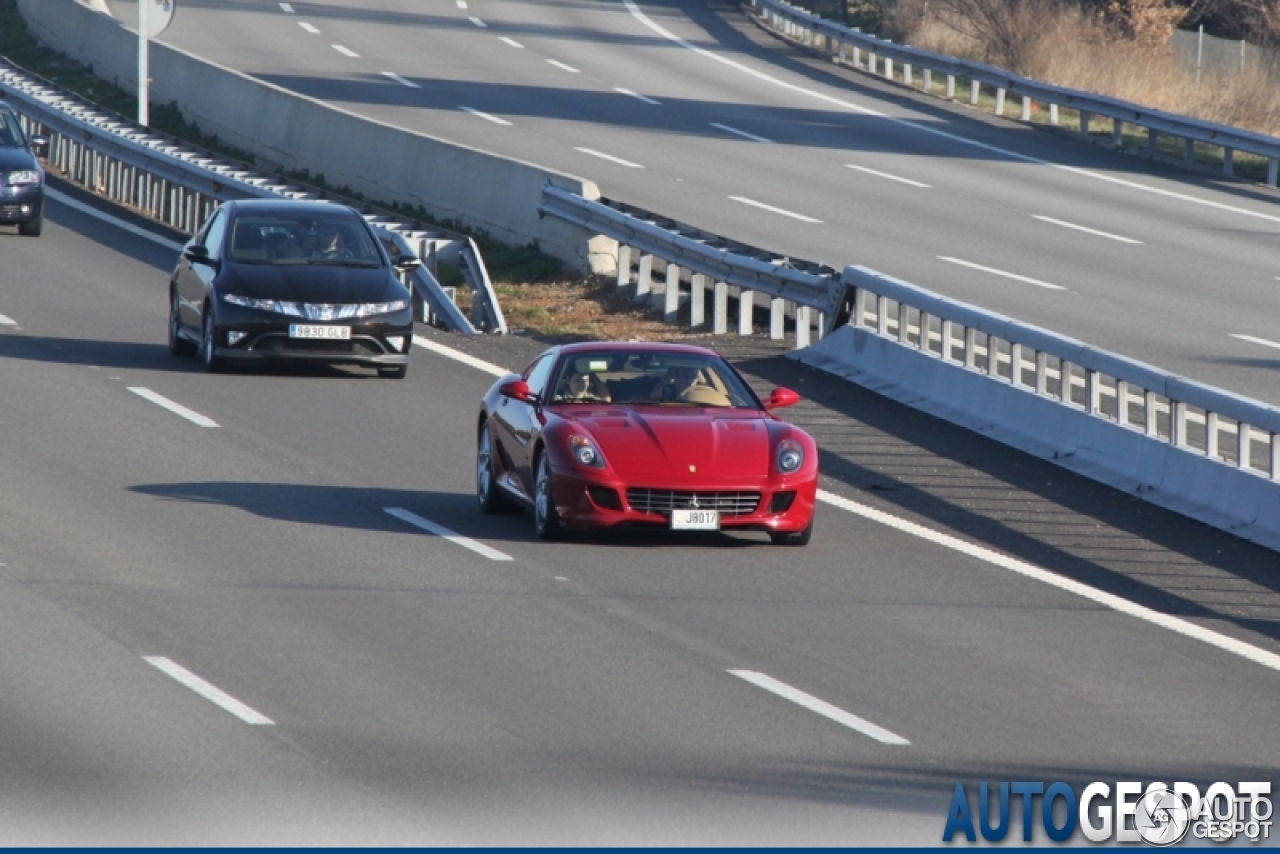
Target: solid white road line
(610,158)
(444,533)
(7,321)
(211,693)
(1223,642)
(772,209)
(345,51)
(510,41)
(890,177)
(993,271)
(637,96)
(558,64)
(924,128)
(309,28)
(287,8)
(1124,606)
(459,356)
(485,116)
(479,23)
(1252,340)
(1086,230)
(75,204)
(741,133)
(822,707)
(175,408)
(396,77)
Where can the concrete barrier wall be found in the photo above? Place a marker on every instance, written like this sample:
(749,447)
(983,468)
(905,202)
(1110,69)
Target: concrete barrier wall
(1245,504)
(291,131)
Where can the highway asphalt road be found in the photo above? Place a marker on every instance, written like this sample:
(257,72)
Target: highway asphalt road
(366,681)
(686,109)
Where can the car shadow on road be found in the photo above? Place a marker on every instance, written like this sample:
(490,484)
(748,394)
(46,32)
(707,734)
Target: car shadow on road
(365,508)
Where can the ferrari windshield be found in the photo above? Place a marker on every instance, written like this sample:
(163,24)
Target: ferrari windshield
(303,239)
(651,377)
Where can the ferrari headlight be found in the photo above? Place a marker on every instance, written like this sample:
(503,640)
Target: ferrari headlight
(790,456)
(585,451)
(369,309)
(26,176)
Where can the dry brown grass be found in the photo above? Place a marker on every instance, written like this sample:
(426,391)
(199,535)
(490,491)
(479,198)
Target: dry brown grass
(1080,51)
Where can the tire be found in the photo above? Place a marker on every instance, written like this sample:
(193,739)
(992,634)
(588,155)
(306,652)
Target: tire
(33,228)
(491,499)
(395,373)
(799,538)
(178,345)
(211,362)
(546,522)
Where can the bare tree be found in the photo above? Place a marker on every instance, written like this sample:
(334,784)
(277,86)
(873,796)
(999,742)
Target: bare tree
(1007,29)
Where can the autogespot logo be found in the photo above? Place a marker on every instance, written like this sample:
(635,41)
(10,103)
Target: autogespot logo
(1158,815)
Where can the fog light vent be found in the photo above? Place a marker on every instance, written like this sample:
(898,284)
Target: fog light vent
(604,497)
(396,342)
(781,502)
(234,338)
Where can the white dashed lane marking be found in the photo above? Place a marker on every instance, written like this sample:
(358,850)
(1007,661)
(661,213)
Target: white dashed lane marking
(609,157)
(741,133)
(558,64)
(391,75)
(1275,345)
(1002,273)
(637,96)
(308,28)
(446,534)
(1085,229)
(176,408)
(822,707)
(7,321)
(345,51)
(510,41)
(213,694)
(485,116)
(782,211)
(479,23)
(880,174)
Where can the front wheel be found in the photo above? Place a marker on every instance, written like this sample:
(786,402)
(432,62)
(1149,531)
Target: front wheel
(178,345)
(208,343)
(487,492)
(33,228)
(799,538)
(546,522)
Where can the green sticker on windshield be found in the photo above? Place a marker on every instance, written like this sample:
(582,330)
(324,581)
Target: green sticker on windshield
(595,365)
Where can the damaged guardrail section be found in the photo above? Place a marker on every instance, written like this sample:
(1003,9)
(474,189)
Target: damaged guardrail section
(1193,448)
(180,187)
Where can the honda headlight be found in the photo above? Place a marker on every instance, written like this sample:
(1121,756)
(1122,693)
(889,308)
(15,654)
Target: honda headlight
(292,309)
(369,309)
(585,451)
(790,456)
(25,177)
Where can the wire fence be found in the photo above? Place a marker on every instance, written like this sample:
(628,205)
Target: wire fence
(1208,54)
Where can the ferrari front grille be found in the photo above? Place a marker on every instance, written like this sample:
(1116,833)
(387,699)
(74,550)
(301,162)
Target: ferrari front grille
(644,500)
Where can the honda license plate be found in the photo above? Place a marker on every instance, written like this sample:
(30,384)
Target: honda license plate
(695,520)
(333,333)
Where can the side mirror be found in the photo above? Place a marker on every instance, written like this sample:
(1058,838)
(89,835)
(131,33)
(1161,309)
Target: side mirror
(781,397)
(407,263)
(197,254)
(518,390)
(40,145)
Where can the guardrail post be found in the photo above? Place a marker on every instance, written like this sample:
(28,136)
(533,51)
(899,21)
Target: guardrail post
(644,281)
(1015,362)
(777,318)
(1093,392)
(1122,403)
(904,330)
(802,326)
(720,310)
(1042,373)
(624,266)
(1025,115)
(1053,114)
(746,312)
(1211,435)
(1275,456)
(882,315)
(857,57)
(871,61)
(1178,423)
(951,87)
(970,347)
(1117,132)
(948,341)
(1065,376)
(999,102)
(1273,171)
(1151,425)
(906,73)
(1243,444)
(697,300)
(671,298)
(1084,123)
(975,89)
(928,80)
(1228,157)
(926,320)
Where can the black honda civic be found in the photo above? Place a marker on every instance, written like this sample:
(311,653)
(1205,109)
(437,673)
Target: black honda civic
(281,280)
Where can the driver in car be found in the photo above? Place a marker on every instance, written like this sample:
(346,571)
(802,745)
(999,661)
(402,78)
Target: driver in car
(583,385)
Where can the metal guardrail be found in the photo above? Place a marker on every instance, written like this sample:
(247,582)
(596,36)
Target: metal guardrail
(697,264)
(836,39)
(180,186)
(1217,424)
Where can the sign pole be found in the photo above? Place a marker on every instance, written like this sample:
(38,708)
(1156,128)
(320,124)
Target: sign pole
(144,113)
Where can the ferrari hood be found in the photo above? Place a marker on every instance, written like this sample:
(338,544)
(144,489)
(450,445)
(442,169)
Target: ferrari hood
(680,443)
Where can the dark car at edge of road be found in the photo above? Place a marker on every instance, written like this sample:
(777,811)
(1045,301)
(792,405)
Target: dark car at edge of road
(290,281)
(21,178)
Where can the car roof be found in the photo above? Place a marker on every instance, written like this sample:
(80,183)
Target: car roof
(292,207)
(634,346)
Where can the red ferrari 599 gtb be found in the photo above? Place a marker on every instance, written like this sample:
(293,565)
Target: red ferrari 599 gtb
(663,435)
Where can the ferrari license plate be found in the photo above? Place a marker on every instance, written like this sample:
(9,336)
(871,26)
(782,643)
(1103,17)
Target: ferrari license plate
(302,330)
(695,520)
